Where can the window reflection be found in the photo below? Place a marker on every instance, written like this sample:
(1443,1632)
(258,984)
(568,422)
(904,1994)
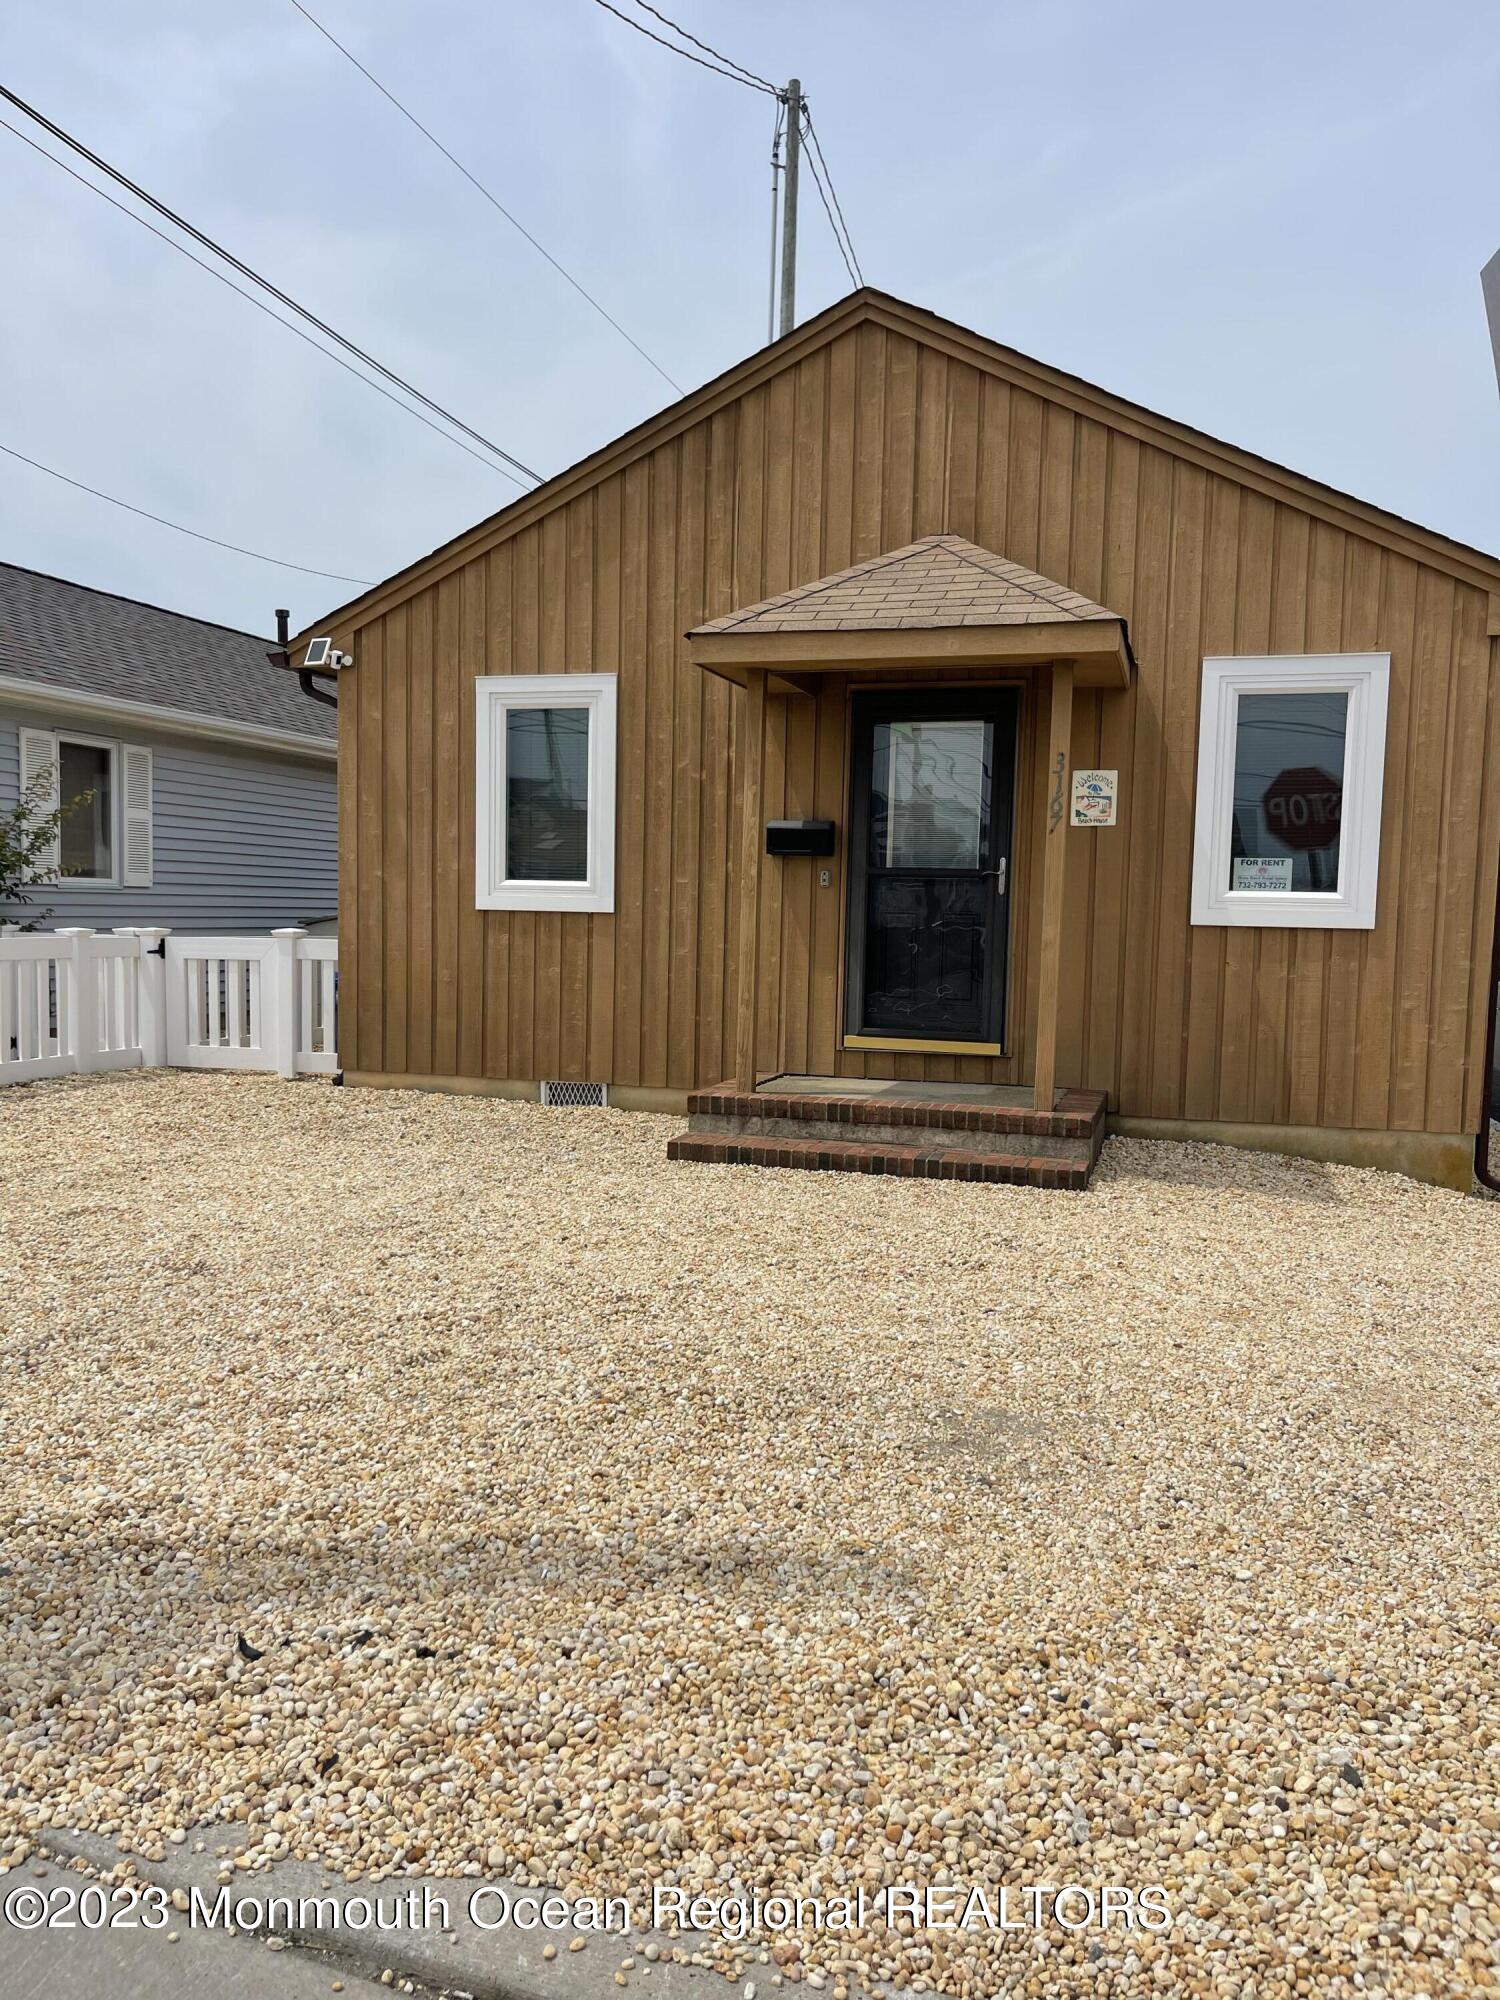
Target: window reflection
(1288,792)
(929,794)
(85,832)
(546,794)
(926,955)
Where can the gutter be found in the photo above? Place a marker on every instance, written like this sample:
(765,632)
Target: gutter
(179,721)
(282,657)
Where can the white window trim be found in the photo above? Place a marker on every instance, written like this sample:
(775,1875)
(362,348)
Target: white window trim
(113,879)
(1365,679)
(494,695)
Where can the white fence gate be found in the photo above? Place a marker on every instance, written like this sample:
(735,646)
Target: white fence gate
(253,1003)
(71,1000)
(218,998)
(34,1029)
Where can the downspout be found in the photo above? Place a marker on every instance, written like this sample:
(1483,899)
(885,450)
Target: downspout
(1484,1173)
(1489,279)
(282,657)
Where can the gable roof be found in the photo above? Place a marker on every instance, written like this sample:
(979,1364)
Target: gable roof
(937,583)
(1471,565)
(72,639)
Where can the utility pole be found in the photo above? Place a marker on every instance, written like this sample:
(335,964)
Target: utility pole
(789,206)
(775,221)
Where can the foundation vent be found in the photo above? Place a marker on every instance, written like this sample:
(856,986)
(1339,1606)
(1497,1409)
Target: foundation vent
(575,1094)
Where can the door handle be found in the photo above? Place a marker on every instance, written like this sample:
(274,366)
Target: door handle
(999,875)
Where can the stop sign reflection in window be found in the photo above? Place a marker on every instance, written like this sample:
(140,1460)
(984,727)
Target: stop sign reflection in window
(1289,784)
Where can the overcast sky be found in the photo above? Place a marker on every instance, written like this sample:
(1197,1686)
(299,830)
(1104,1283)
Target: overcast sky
(1267,221)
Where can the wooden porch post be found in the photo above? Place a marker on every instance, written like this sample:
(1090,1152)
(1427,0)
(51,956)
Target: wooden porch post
(752,842)
(1054,869)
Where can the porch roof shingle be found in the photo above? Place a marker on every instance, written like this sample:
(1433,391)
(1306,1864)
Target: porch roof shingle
(939,583)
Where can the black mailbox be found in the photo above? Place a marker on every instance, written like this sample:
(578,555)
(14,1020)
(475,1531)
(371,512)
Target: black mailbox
(799,836)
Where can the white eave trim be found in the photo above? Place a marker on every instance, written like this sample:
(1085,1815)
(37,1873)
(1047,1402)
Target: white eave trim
(48,695)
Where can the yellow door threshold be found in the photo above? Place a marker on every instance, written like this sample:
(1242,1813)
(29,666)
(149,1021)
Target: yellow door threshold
(891,1045)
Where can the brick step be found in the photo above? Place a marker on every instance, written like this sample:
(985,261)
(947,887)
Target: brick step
(771,1123)
(1077,1115)
(840,1155)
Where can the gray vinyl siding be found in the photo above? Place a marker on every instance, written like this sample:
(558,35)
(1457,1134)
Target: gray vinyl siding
(242,840)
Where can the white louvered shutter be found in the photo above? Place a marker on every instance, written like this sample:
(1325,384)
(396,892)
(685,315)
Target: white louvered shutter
(39,763)
(136,815)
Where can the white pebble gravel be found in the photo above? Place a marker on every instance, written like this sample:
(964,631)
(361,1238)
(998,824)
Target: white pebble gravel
(432,1484)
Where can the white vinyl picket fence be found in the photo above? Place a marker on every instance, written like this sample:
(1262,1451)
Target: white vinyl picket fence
(73,1000)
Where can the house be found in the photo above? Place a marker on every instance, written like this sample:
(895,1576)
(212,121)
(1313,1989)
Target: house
(905,755)
(208,781)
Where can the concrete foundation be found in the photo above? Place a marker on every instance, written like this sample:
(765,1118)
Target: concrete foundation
(1443,1159)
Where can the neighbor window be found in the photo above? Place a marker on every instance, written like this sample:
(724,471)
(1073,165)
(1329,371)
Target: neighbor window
(1291,753)
(545,819)
(86,792)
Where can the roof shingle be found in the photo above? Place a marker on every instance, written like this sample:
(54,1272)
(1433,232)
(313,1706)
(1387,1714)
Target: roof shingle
(940,582)
(67,635)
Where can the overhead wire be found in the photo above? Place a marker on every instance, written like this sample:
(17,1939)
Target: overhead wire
(726,66)
(721,64)
(749,75)
(840,228)
(823,197)
(492,198)
(122,179)
(259,304)
(336,576)
(735,75)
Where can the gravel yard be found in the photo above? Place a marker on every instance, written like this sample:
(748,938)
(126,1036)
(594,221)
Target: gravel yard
(603,1522)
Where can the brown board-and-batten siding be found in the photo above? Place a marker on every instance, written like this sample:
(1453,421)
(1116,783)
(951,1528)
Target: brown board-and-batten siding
(847,444)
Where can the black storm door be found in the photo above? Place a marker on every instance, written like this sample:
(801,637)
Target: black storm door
(929,862)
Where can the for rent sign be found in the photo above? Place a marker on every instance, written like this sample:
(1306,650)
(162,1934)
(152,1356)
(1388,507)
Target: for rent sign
(1262,871)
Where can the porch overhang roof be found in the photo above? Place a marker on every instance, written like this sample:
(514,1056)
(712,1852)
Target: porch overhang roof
(939,602)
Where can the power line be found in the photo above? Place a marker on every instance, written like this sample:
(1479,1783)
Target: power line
(265,284)
(845,241)
(823,197)
(749,75)
(259,304)
(493,200)
(723,65)
(162,521)
(833,191)
(735,75)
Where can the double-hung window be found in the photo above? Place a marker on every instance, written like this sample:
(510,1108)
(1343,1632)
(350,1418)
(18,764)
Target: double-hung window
(104,790)
(545,798)
(1291,759)
(86,790)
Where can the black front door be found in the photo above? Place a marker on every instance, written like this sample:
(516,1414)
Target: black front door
(929,855)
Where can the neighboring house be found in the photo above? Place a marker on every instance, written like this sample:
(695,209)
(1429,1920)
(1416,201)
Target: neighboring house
(1139,769)
(209,775)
